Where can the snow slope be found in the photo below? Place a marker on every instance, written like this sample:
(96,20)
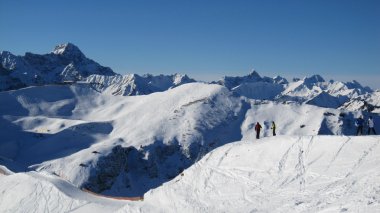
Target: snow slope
(276,174)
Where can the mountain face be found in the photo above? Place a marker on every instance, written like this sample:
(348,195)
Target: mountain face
(65,63)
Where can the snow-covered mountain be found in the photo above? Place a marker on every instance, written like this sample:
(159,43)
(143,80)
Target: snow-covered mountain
(367,102)
(312,90)
(134,84)
(116,144)
(65,63)
(252,77)
(310,87)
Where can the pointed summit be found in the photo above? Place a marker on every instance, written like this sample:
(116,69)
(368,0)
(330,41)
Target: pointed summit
(254,74)
(68,50)
(314,79)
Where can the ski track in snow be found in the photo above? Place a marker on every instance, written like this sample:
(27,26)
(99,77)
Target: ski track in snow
(284,158)
(337,153)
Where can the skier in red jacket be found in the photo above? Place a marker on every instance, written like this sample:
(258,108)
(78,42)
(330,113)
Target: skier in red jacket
(257,129)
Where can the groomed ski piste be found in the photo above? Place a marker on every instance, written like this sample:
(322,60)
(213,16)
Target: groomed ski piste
(188,149)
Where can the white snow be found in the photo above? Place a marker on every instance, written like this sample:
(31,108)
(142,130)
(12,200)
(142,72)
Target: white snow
(72,136)
(41,192)
(276,174)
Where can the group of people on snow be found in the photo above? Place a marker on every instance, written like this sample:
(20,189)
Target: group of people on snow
(258,127)
(359,123)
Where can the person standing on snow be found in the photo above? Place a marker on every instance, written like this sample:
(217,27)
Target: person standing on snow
(273,128)
(257,129)
(359,125)
(371,126)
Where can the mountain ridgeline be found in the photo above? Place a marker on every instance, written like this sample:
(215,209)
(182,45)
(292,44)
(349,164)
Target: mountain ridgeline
(67,64)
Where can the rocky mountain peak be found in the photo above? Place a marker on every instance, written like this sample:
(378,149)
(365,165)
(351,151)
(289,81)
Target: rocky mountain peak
(68,49)
(314,79)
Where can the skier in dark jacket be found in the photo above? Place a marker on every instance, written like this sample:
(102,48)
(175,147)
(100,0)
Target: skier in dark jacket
(273,128)
(257,129)
(359,123)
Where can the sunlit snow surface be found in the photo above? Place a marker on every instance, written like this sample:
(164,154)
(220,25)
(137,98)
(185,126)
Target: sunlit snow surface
(60,138)
(274,174)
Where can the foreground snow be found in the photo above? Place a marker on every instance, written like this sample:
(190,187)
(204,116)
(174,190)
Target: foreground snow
(41,192)
(282,174)
(273,174)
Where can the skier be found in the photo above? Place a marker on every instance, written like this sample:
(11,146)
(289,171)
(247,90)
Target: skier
(273,128)
(359,125)
(257,129)
(371,126)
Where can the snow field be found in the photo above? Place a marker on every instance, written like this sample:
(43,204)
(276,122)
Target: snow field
(277,174)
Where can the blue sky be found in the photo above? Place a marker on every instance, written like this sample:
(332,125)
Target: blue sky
(338,39)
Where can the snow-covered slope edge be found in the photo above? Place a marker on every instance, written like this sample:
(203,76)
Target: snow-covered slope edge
(276,174)
(42,192)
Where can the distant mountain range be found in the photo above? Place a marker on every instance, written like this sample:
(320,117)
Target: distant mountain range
(67,64)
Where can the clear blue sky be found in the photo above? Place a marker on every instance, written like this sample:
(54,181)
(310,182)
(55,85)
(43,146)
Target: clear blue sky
(338,39)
